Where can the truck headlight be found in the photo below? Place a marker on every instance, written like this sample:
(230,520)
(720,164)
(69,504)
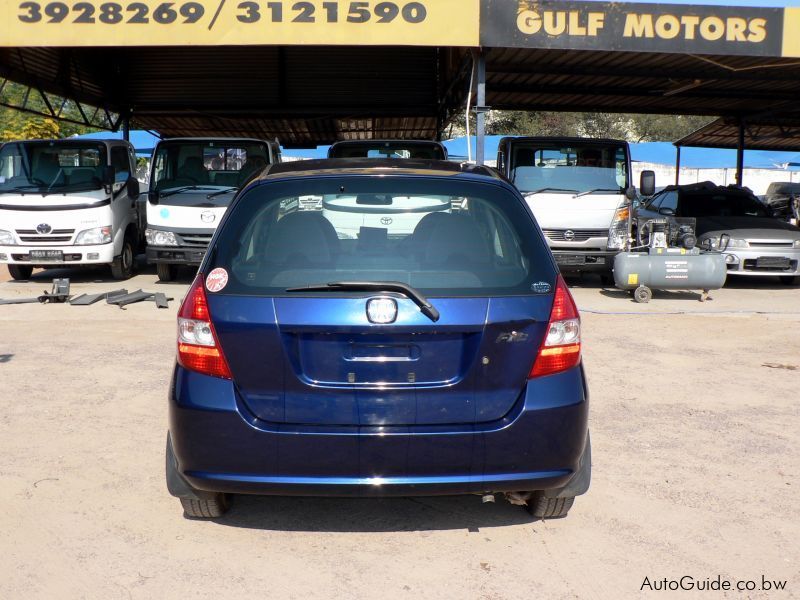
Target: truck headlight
(156,237)
(618,232)
(94,236)
(6,238)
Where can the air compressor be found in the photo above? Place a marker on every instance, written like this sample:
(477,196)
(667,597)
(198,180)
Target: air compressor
(666,257)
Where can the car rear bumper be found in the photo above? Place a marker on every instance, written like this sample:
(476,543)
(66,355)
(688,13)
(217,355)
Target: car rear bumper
(175,255)
(220,447)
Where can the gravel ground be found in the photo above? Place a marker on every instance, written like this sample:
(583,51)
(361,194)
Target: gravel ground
(695,431)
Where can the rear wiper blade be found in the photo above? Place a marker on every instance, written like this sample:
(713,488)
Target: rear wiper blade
(220,192)
(594,191)
(549,189)
(425,307)
(182,189)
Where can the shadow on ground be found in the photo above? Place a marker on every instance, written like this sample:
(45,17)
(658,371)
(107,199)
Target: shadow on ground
(371,515)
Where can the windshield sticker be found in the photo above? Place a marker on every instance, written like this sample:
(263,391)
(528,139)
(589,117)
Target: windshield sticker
(164,213)
(541,287)
(217,280)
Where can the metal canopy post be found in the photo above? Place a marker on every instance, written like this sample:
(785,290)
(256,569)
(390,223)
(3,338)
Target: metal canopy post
(740,154)
(479,62)
(126,128)
(677,165)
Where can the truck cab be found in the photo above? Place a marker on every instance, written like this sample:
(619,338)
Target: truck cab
(68,203)
(192,182)
(580,191)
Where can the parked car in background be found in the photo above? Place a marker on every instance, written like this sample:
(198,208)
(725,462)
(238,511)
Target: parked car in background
(420,149)
(580,191)
(319,359)
(193,181)
(733,221)
(783,199)
(69,203)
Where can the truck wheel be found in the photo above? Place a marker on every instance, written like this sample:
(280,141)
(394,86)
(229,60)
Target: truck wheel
(785,279)
(122,267)
(20,272)
(642,294)
(206,509)
(549,508)
(165,271)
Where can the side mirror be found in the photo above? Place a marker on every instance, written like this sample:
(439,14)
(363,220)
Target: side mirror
(666,211)
(133,187)
(152,197)
(108,176)
(647,183)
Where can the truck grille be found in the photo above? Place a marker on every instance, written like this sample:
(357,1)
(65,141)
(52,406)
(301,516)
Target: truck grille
(196,240)
(580,235)
(31,236)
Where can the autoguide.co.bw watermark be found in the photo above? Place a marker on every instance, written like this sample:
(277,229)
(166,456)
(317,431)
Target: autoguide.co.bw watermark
(707,584)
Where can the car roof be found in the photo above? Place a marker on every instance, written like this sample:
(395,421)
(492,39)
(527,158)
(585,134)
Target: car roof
(378,166)
(707,187)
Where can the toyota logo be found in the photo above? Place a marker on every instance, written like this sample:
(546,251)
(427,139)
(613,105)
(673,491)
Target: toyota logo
(569,235)
(44,228)
(386,220)
(207,216)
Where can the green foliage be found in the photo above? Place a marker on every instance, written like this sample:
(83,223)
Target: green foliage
(20,125)
(630,127)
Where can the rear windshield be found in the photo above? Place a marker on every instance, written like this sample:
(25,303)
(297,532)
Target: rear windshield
(439,236)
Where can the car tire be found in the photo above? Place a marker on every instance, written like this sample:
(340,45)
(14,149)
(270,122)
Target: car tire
(542,507)
(122,267)
(165,271)
(20,272)
(789,279)
(210,508)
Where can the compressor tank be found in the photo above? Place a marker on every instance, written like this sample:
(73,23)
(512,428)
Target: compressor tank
(670,269)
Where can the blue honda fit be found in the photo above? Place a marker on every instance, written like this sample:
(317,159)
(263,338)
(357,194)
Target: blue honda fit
(378,328)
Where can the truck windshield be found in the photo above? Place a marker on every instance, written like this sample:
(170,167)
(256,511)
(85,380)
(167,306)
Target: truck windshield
(400,149)
(206,165)
(42,167)
(573,169)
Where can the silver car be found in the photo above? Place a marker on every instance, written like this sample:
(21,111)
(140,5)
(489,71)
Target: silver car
(733,221)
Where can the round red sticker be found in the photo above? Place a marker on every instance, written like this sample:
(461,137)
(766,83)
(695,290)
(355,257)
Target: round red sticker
(217,280)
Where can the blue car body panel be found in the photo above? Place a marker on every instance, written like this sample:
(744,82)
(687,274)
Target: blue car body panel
(323,402)
(537,445)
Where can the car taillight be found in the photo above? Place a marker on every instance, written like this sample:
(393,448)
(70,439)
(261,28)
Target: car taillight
(561,347)
(198,348)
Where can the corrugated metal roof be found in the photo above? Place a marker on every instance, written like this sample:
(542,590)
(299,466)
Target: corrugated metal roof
(607,81)
(305,96)
(771,132)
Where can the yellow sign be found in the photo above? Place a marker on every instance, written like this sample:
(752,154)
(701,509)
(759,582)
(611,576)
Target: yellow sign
(791,25)
(239,22)
(633,279)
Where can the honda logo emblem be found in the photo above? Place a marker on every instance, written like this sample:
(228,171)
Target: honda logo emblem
(44,228)
(382,310)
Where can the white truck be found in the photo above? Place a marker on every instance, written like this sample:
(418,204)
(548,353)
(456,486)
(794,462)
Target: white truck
(68,203)
(192,182)
(580,191)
